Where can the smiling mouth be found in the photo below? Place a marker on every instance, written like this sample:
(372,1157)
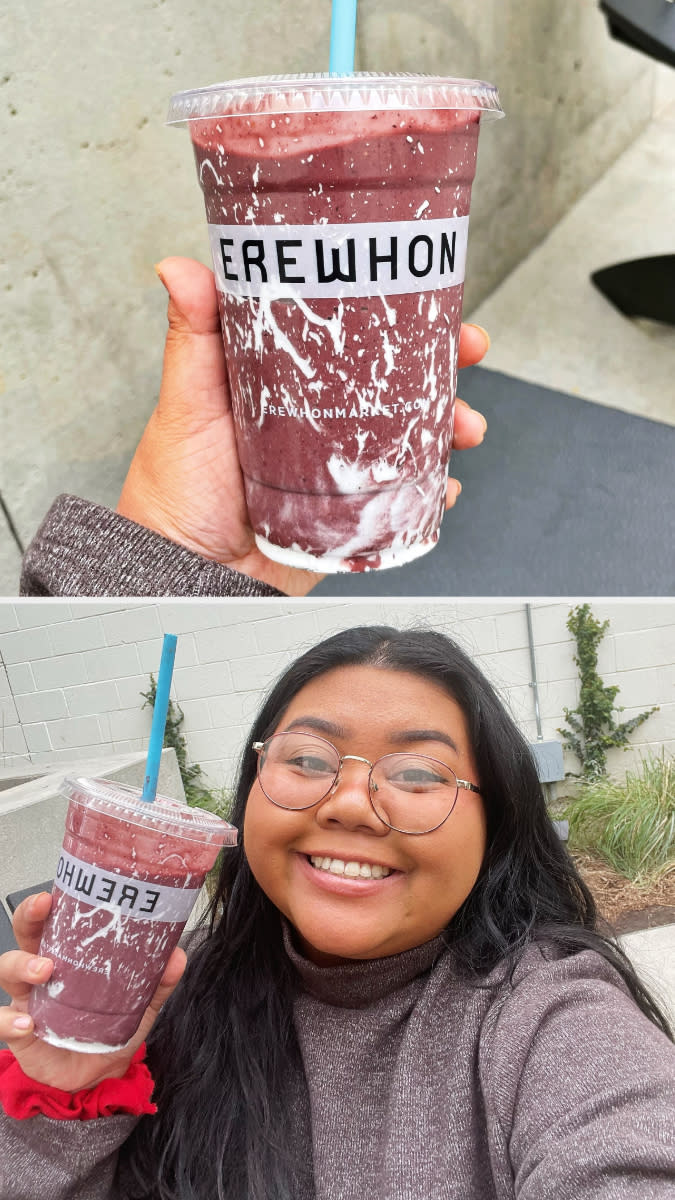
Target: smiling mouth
(349,868)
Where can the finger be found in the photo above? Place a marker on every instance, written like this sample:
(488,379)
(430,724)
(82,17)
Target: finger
(19,972)
(474,343)
(16,1029)
(452,493)
(173,973)
(469,428)
(194,360)
(172,976)
(29,920)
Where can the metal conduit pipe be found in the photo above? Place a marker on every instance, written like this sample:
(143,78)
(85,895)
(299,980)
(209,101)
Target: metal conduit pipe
(547,753)
(533,670)
(535,689)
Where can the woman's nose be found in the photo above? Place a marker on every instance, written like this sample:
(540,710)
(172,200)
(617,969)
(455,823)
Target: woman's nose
(348,803)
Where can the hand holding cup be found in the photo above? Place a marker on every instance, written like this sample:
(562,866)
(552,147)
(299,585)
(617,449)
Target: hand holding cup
(21,970)
(185,481)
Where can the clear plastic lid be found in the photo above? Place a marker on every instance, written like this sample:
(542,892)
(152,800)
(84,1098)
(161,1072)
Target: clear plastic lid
(166,815)
(360,92)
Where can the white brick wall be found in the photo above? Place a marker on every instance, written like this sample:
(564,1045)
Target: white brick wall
(13,744)
(71,674)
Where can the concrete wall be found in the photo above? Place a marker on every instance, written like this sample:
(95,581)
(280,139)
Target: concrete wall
(32,814)
(94,189)
(71,674)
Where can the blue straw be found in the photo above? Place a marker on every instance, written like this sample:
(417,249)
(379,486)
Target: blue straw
(343,37)
(160,710)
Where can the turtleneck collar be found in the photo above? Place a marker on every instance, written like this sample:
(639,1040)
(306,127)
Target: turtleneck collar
(363,981)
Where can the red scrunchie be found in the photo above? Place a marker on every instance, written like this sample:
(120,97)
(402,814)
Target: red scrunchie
(22,1097)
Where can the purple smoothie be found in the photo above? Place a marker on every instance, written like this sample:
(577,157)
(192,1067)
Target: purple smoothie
(339,240)
(127,878)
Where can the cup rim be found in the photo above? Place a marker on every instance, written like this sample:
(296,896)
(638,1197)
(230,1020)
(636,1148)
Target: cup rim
(284,95)
(123,800)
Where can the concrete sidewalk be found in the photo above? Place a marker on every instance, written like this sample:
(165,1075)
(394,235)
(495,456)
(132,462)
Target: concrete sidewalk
(652,952)
(548,323)
(549,326)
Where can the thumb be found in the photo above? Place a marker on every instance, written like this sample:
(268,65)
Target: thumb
(193,302)
(194,377)
(167,984)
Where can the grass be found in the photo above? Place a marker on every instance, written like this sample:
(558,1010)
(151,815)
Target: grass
(630,825)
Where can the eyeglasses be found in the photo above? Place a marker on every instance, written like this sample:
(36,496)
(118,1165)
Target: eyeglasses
(410,793)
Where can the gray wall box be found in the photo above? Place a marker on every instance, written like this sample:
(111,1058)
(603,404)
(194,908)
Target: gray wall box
(549,759)
(95,189)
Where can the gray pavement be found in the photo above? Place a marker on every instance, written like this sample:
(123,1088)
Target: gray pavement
(10,560)
(94,195)
(652,952)
(564,497)
(549,327)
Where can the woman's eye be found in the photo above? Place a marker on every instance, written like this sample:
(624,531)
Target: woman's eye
(310,764)
(417,779)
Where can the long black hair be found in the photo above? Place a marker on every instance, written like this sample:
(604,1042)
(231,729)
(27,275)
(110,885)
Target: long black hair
(224,1053)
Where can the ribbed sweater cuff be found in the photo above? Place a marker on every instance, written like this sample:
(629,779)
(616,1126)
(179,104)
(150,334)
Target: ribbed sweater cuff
(83,549)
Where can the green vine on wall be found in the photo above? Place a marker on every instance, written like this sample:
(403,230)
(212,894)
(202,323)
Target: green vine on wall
(190,773)
(592,728)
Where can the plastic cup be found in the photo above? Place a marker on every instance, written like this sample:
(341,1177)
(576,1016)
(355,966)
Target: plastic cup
(338,212)
(127,879)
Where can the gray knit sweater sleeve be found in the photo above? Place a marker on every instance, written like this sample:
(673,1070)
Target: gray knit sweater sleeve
(44,1159)
(82,549)
(579,1087)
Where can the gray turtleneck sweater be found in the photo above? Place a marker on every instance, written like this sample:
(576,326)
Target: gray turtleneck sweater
(548,1084)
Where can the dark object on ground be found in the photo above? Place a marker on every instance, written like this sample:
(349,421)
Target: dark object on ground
(7,939)
(646,25)
(646,286)
(14,898)
(642,288)
(7,942)
(563,496)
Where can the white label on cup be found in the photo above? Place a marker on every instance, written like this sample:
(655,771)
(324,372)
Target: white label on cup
(137,898)
(388,258)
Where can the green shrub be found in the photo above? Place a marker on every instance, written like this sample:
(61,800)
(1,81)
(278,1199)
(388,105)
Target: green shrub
(592,728)
(630,825)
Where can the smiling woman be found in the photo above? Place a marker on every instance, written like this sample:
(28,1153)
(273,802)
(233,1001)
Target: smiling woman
(352,811)
(400,989)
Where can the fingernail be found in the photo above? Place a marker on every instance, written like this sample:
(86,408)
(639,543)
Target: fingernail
(484,422)
(159,275)
(22,1023)
(35,965)
(484,332)
(459,487)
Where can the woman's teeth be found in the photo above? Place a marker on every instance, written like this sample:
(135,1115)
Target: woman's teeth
(354,870)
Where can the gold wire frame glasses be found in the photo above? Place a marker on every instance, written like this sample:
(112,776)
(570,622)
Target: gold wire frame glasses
(410,793)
